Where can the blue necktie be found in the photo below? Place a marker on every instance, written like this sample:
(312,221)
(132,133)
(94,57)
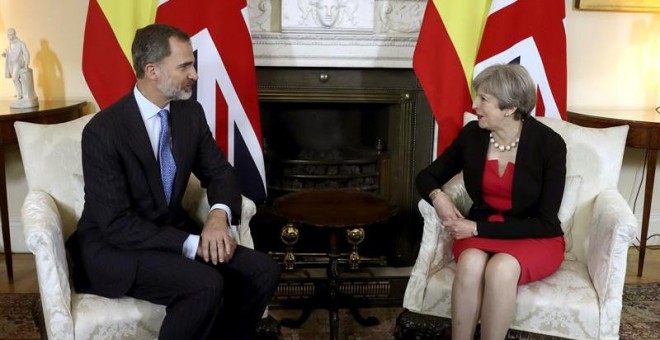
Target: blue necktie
(165,157)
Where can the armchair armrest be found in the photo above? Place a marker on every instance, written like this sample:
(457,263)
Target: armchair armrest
(195,202)
(435,250)
(42,227)
(455,188)
(613,228)
(243,234)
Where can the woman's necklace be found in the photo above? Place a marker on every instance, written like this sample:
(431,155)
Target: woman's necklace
(508,147)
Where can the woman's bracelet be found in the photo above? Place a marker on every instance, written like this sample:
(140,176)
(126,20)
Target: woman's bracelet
(434,194)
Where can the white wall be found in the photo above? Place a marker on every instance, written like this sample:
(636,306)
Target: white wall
(45,25)
(613,62)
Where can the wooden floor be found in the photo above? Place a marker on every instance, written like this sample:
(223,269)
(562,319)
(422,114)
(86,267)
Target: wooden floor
(25,276)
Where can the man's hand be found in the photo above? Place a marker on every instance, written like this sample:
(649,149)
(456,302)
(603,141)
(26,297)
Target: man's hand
(216,243)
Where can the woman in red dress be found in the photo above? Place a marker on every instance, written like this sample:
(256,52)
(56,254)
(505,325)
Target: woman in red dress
(514,169)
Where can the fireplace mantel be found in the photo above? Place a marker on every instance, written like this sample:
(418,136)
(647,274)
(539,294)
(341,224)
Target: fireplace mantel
(358,33)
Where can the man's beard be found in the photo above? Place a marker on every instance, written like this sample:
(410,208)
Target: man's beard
(173,91)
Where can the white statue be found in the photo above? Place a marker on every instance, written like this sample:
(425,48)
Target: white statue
(17,67)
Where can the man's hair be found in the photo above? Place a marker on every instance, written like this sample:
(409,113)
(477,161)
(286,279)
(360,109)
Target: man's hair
(152,44)
(511,84)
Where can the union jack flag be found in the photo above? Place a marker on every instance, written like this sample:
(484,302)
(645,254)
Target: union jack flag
(530,33)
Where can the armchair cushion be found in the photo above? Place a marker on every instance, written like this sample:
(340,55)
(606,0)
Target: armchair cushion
(51,154)
(123,318)
(542,305)
(596,156)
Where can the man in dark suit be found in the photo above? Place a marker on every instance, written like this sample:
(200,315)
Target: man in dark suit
(134,238)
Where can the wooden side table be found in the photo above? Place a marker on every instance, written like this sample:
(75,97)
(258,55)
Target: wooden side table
(48,112)
(644,133)
(340,211)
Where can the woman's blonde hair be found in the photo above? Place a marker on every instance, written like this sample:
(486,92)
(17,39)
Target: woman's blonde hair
(511,84)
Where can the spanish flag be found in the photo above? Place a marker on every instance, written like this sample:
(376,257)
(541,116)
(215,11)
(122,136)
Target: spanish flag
(444,60)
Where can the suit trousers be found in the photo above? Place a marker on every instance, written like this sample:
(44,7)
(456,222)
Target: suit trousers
(206,301)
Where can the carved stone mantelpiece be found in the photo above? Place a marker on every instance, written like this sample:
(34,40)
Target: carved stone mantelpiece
(335,33)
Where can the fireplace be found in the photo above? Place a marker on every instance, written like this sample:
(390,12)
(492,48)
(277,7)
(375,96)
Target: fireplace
(364,129)
(323,145)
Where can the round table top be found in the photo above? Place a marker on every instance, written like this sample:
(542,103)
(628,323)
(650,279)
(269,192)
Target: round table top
(338,208)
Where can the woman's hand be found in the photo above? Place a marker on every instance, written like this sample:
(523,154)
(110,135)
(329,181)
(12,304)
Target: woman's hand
(460,228)
(452,220)
(445,208)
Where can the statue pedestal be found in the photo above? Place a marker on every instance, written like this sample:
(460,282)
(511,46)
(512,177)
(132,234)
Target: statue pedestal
(27,86)
(24,103)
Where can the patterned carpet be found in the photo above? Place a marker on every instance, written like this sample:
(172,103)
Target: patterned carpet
(640,318)
(18,313)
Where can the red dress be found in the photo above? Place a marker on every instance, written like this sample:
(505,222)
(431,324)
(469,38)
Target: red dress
(538,257)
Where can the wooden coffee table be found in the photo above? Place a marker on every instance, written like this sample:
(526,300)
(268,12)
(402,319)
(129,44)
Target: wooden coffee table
(340,211)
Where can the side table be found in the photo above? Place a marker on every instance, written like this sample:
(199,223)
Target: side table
(48,112)
(338,212)
(644,133)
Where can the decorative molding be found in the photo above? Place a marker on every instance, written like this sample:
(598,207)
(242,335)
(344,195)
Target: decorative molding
(260,12)
(328,16)
(282,38)
(400,17)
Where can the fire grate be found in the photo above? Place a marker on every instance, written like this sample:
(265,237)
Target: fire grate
(325,170)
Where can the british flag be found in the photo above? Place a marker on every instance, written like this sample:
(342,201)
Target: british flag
(530,33)
(227,87)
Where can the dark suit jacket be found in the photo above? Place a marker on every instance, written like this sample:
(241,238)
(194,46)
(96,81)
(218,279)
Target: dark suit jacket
(538,180)
(125,208)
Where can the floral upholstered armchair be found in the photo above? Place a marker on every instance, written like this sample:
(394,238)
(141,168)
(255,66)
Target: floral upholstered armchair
(583,299)
(53,167)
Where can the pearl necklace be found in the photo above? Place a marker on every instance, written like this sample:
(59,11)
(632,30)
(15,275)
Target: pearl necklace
(503,148)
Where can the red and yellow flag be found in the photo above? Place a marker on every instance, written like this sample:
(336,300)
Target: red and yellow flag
(444,60)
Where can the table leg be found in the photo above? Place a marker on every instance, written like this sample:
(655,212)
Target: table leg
(648,196)
(333,276)
(289,236)
(4,217)
(354,237)
(291,323)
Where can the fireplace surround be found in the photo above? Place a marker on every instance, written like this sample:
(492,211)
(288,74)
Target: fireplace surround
(379,114)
